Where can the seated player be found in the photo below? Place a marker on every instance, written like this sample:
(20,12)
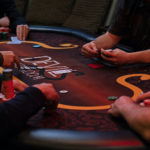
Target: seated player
(136,115)
(15,112)
(10,17)
(131,25)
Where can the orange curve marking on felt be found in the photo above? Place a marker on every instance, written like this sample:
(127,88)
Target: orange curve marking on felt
(4,42)
(51,47)
(62,46)
(121,80)
(136,91)
(63,106)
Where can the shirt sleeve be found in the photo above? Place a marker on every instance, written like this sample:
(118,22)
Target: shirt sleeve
(15,113)
(13,14)
(120,22)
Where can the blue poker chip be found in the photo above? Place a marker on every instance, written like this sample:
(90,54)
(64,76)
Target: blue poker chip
(36,46)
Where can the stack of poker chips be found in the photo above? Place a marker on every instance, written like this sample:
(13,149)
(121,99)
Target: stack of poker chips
(4,33)
(7,88)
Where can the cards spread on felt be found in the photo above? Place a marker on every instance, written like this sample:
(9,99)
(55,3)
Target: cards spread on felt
(14,40)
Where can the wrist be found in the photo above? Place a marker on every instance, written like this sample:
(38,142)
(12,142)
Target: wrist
(114,37)
(133,57)
(127,109)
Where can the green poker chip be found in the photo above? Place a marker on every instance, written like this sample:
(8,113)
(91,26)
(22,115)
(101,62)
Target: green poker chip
(112,98)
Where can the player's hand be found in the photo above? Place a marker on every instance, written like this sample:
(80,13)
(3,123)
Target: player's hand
(10,59)
(116,56)
(143,99)
(117,107)
(90,49)
(19,86)
(22,32)
(50,93)
(4,21)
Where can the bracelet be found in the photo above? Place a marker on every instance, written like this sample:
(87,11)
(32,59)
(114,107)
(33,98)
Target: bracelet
(1,59)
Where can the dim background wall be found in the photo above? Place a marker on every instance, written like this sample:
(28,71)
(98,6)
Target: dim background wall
(86,15)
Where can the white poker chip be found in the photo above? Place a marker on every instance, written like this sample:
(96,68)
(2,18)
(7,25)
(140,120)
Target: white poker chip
(26,68)
(33,68)
(40,68)
(2,96)
(109,50)
(22,68)
(63,91)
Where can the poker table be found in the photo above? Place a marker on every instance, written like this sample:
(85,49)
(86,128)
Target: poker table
(81,120)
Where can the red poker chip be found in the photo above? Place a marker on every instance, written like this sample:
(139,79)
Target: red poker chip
(95,66)
(4,29)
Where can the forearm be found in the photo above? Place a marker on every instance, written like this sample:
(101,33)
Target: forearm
(139,57)
(0,22)
(138,119)
(106,41)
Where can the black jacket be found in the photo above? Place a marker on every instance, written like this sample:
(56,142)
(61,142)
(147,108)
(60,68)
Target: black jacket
(15,113)
(8,8)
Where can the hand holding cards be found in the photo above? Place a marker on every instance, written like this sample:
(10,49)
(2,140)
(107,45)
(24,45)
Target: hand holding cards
(115,56)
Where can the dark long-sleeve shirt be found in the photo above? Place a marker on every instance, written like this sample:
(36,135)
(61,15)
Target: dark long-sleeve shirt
(8,8)
(15,113)
(132,22)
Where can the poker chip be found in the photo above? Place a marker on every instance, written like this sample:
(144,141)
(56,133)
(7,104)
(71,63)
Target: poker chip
(40,68)
(95,66)
(26,68)
(36,46)
(2,96)
(109,50)
(112,98)
(63,91)
(33,67)
(32,58)
(5,35)
(22,68)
